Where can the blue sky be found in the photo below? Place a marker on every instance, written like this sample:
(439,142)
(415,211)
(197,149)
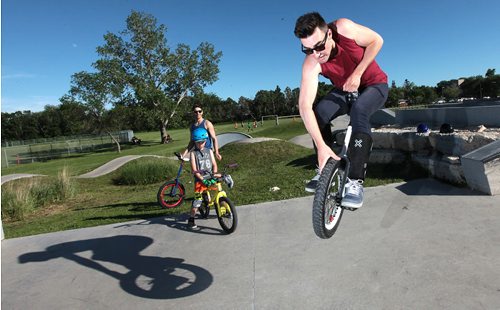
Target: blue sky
(44,42)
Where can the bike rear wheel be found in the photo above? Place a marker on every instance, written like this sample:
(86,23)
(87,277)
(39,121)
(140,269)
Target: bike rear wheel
(327,211)
(226,214)
(171,194)
(204,210)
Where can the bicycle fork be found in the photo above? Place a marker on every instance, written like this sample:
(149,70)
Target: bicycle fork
(177,182)
(345,163)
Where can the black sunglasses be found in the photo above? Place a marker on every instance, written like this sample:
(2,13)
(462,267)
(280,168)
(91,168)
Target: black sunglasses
(198,111)
(318,48)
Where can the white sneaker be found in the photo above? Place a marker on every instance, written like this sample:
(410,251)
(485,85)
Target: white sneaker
(353,194)
(313,183)
(229,180)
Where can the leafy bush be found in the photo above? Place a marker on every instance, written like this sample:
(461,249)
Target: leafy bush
(146,171)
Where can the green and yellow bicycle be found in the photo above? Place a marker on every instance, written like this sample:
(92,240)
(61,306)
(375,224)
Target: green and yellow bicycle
(215,197)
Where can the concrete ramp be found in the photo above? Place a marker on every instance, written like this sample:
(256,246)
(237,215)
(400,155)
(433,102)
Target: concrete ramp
(228,137)
(110,166)
(10,177)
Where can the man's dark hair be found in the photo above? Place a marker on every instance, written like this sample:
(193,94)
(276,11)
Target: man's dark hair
(306,24)
(197,105)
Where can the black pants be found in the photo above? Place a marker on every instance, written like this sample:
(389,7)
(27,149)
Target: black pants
(333,105)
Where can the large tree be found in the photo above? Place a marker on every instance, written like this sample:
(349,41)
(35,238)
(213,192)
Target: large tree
(139,61)
(94,92)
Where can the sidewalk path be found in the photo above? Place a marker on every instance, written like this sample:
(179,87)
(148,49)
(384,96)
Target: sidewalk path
(416,245)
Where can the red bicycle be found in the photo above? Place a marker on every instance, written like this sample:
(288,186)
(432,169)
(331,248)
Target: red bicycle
(172,193)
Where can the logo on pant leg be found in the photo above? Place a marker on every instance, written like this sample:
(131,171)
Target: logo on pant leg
(357,143)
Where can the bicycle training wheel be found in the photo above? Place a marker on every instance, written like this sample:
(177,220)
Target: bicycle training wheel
(327,211)
(170,194)
(228,219)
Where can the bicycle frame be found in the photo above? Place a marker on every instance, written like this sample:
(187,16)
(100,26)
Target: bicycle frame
(177,178)
(345,161)
(179,172)
(220,193)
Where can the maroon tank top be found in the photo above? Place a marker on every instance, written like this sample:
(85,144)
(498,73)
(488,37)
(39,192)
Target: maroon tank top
(339,67)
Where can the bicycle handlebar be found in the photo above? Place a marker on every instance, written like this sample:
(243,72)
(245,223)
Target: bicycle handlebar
(179,156)
(234,165)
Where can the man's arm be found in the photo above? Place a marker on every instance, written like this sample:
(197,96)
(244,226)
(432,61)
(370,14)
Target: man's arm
(365,37)
(215,168)
(211,131)
(308,89)
(188,147)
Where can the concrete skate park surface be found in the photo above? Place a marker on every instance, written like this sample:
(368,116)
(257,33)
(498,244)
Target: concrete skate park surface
(416,245)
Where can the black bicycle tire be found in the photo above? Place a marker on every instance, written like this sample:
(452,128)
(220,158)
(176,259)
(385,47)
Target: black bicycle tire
(226,228)
(330,171)
(160,194)
(204,210)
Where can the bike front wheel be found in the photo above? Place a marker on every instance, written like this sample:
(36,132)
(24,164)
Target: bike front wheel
(171,194)
(327,210)
(226,214)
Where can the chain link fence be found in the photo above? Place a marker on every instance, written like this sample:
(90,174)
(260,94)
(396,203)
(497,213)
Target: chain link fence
(30,151)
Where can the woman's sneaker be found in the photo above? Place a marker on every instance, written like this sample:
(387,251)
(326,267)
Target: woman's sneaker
(353,194)
(229,181)
(313,183)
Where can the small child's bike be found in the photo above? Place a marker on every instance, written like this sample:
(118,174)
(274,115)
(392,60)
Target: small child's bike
(171,194)
(215,197)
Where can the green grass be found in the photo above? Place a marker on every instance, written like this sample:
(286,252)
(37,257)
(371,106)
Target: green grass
(102,200)
(82,163)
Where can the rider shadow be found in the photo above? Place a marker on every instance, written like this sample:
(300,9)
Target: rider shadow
(148,276)
(307,162)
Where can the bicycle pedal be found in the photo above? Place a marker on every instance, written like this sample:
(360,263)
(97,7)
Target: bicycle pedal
(350,209)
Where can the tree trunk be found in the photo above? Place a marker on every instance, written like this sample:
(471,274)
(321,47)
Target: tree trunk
(118,147)
(163,132)
(164,123)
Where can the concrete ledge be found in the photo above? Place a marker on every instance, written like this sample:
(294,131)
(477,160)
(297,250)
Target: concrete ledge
(456,145)
(446,168)
(383,117)
(439,154)
(458,116)
(482,168)
(388,156)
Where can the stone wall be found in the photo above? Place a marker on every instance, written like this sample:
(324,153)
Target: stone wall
(437,153)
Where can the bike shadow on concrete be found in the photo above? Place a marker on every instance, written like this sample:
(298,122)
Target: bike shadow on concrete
(430,186)
(179,222)
(206,226)
(150,277)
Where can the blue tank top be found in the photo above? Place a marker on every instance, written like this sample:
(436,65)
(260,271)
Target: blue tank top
(208,145)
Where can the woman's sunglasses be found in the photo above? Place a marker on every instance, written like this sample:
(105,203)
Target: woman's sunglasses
(198,111)
(318,48)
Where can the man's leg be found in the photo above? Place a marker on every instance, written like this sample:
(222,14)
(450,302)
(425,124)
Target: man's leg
(327,109)
(369,101)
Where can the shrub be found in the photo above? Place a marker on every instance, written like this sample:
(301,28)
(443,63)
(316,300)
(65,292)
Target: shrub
(21,198)
(16,202)
(146,171)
